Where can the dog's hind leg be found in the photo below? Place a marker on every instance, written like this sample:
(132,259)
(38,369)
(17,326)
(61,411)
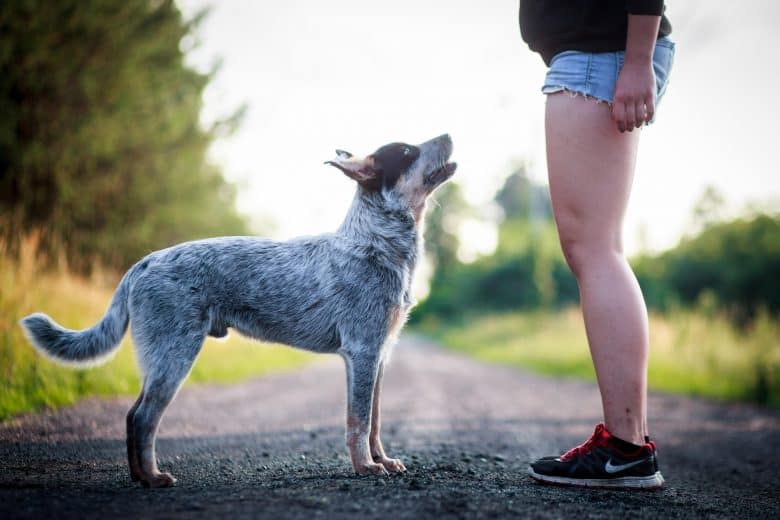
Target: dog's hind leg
(375,443)
(132,453)
(173,358)
(361,375)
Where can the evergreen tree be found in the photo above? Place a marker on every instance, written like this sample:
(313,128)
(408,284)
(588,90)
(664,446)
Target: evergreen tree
(101,150)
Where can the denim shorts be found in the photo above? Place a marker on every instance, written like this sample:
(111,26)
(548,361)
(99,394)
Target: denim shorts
(594,74)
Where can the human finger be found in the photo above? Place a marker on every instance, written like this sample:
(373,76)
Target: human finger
(649,109)
(619,115)
(631,116)
(641,113)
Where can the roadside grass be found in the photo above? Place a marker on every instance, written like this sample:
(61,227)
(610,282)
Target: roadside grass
(29,382)
(692,352)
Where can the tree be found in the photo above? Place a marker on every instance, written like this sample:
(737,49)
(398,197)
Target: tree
(521,198)
(448,207)
(526,271)
(708,209)
(735,263)
(101,150)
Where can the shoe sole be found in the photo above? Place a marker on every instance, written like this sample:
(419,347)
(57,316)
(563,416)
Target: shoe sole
(648,483)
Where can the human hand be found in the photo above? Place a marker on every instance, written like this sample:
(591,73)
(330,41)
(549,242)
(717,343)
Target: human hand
(633,102)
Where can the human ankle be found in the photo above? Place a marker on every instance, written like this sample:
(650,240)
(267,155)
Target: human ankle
(628,435)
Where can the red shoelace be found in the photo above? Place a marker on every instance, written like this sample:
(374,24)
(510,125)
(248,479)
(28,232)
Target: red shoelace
(600,437)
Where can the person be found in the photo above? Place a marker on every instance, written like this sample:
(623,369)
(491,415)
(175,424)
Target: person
(609,61)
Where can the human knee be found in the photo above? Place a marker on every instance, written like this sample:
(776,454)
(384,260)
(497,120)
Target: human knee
(583,250)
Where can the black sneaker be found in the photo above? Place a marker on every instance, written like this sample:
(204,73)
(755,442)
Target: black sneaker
(603,461)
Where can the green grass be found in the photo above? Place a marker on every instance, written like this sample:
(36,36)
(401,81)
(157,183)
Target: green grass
(30,382)
(693,353)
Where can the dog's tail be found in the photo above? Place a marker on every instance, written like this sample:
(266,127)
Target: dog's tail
(86,347)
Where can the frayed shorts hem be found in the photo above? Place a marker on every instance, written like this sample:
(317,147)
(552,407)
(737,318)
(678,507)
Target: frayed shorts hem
(554,89)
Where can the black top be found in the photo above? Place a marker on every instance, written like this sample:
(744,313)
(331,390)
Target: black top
(553,26)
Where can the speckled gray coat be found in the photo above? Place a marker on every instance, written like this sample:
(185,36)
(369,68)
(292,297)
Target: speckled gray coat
(346,292)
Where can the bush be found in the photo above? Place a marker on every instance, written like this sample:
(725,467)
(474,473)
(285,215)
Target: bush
(736,264)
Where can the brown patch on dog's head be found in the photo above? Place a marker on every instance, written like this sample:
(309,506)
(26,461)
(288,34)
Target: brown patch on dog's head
(381,169)
(393,161)
(413,172)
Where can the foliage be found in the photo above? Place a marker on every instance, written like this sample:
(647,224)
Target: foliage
(101,149)
(526,271)
(29,381)
(441,230)
(521,198)
(732,265)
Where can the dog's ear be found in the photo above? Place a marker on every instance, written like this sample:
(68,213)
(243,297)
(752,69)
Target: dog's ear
(361,170)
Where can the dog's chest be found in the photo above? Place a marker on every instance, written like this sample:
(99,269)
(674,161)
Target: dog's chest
(396,320)
(398,312)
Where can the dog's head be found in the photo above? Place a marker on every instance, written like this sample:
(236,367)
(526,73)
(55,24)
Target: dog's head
(412,172)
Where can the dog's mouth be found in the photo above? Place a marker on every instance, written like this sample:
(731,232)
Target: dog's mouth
(442,173)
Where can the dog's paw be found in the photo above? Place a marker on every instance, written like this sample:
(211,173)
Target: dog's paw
(371,468)
(392,465)
(159,480)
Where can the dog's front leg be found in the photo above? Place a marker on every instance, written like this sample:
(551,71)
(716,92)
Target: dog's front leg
(375,443)
(361,375)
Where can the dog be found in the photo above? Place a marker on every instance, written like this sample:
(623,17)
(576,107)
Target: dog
(347,292)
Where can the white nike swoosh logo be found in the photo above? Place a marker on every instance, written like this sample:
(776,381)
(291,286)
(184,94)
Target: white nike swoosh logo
(611,468)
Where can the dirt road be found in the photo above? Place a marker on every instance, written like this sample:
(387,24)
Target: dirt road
(273,447)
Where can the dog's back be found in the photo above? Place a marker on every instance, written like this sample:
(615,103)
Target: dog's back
(300,292)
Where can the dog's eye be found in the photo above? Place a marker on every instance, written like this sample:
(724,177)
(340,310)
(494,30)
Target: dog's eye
(407,150)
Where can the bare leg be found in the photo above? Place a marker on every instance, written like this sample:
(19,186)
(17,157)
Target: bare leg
(375,443)
(132,453)
(591,168)
(361,375)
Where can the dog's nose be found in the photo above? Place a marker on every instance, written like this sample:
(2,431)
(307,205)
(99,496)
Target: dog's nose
(445,143)
(439,145)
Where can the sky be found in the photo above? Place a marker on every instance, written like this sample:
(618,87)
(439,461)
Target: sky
(355,74)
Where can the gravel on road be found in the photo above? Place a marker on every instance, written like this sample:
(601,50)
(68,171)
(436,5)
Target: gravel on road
(274,447)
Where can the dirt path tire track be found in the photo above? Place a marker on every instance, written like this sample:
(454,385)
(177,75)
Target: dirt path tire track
(273,447)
